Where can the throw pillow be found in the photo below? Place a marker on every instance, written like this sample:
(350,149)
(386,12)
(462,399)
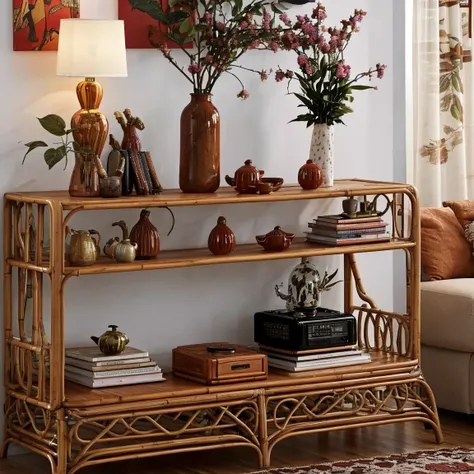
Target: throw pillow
(464,211)
(445,252)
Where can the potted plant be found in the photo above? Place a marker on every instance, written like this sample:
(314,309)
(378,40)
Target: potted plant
(325,79)
(213,34)
(87,169)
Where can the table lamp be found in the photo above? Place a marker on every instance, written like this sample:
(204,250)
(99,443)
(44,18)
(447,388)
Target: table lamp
(90,49)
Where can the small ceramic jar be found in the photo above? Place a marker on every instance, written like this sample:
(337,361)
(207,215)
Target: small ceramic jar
(310,176)
(275,241)
(145,234)
(111,187)
(221,240)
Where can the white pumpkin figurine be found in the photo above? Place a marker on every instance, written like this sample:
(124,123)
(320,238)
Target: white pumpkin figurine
(305,286)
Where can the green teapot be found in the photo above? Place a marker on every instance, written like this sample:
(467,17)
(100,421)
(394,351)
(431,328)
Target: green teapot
(112,342)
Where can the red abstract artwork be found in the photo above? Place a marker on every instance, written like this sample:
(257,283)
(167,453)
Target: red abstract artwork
(138,26)
(36,23)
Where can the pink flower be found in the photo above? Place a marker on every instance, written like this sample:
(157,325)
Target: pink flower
(308,70)
(319,12)
(302,59)
(289,74)
(207,18)
(208,59)
(164,49)
(267,18)
(264,75)
(220,26)
(243,94)
(380,70)
(285,19)
(279,75)
(244,25)
(274,46)
(194,69)
(342,70)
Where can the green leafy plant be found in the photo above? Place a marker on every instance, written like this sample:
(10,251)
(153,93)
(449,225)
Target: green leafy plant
(325,79)
(55,125)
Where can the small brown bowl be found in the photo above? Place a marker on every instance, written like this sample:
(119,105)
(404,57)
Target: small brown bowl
(276,183)
(265,188)
(111,187)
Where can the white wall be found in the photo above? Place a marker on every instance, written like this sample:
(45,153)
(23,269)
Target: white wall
(160,310)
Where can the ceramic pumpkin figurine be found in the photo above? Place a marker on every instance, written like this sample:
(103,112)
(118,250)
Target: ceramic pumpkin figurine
(310,176)
(221,240)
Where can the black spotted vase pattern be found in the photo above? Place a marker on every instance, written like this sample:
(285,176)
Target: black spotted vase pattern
(322,151)
(303,287)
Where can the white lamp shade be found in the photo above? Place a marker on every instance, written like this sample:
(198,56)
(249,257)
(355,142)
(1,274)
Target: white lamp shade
(91,48)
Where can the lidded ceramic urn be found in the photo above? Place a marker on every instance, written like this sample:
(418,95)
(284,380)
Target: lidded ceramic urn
(221,240)
(146,236)
(310,176)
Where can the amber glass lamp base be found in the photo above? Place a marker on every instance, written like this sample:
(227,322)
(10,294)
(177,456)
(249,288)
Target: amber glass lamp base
(90,126)
(90,130)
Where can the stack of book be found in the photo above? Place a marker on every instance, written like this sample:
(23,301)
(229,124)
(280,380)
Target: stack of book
(338,230)
(291,361)
(90,367)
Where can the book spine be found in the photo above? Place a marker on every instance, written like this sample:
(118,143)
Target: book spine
(112,363)
(338,227)
(146,172)
(112,373)
(116,381)
(127,178)
(347,233)
(358,240)
(121,357)
(157,188)
(342,220)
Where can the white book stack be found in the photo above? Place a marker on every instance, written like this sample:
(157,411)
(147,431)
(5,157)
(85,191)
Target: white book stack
(90,367)
(318,360)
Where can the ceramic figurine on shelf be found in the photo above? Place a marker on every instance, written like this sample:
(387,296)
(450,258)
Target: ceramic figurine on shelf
(221,240)
(84,249)
(124,251)
(305,286)
(130,125)
(112,342)
(275,241)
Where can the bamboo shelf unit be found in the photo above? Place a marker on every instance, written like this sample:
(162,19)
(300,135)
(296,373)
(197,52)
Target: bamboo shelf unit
(74,426)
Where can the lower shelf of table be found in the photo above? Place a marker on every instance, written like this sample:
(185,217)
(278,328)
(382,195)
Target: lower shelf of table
(382,365)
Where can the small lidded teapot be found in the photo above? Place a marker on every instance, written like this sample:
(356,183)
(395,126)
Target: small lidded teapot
(112,342)
(275,241)
(84,249)
(246,178)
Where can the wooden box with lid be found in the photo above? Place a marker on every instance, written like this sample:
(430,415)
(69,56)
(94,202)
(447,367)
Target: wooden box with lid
(218,363)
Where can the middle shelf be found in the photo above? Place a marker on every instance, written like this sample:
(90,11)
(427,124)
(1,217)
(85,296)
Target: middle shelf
(243,253)
(202,256)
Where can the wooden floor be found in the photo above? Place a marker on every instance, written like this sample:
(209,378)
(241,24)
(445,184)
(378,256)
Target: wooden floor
(361,442)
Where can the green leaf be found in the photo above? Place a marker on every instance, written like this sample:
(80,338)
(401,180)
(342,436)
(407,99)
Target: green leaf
(457,109)
(177,16)
(151,7)
(53,124)
(173,3)
(457,82)
(186,26)
(444,82)
(32,146)
(361,88)
(52,156)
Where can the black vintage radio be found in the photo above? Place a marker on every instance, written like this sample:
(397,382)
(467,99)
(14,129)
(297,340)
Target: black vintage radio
(294,331)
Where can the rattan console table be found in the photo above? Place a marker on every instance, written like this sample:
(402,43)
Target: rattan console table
(73,426)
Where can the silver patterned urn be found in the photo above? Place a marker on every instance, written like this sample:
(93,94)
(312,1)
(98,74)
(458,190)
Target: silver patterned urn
(305,286)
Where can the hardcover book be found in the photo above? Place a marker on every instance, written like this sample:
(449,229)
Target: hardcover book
(93,354)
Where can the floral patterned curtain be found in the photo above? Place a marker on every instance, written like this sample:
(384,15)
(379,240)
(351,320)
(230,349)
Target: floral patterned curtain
(443,101)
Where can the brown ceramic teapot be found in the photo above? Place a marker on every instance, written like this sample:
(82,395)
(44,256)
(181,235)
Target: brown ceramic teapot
(245,179)
(275,241)
(112,341)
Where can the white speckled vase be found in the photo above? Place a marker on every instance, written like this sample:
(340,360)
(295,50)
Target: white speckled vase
(322,151)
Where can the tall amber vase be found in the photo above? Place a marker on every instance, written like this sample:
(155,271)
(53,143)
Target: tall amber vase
(199,166)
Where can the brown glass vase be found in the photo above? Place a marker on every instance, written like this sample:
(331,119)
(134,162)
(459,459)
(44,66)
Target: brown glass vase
(221,240)
(85,179)
(146,236)
(199,166)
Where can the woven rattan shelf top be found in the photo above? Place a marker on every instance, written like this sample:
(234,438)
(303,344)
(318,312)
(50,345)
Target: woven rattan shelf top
(382,364)
(175,198)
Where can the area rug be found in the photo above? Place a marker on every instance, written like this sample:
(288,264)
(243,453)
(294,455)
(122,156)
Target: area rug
(419,462)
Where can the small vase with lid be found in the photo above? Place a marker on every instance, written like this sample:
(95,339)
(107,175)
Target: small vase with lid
(221,240)
(310,175)
(146,236)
